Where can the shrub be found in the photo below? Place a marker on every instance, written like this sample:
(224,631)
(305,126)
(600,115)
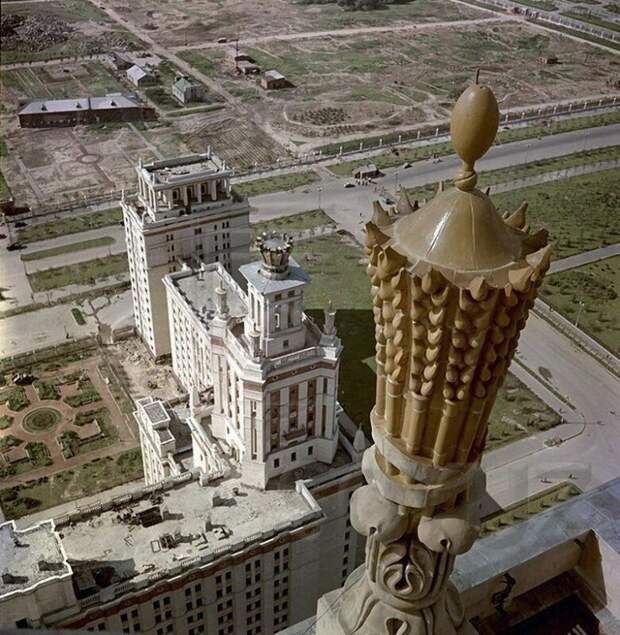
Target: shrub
(47,389)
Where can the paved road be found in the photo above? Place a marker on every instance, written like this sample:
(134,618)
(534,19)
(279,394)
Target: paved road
(586,257)
(592,456)
(350,206)
(368,30)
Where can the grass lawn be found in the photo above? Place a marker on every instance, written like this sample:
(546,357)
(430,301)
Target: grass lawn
(596,285)
(592,19)
(338,273)
(293,223)
(543,5)
(15,398)
(83,273)
(524,510)
(581,213)
(276,183)
(503,136)
(68,485)
(581,35)
(68,249)
(70,225)
(6,421)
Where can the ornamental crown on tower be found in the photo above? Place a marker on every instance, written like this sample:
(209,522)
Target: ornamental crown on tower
(275,250)
(452,283)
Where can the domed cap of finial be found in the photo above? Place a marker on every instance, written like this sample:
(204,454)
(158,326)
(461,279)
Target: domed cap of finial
(473,127)
(459,231)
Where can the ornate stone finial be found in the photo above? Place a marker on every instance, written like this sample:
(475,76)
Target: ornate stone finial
(275,250)
(473,127)
(451,287)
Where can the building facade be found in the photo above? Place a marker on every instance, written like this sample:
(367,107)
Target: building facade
(184,210)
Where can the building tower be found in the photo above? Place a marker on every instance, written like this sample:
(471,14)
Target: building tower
(452,284)
(184,210)
(262,376)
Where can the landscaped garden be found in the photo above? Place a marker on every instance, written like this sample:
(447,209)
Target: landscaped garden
(41,420)
(67,485)
(293,223)
(61,416)
(83,273)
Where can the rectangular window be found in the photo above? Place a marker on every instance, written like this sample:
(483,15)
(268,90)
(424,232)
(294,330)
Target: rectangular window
(293,457)
(310,450)
(276,463)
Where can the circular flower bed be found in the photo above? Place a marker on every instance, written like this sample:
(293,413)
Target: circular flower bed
(42,420)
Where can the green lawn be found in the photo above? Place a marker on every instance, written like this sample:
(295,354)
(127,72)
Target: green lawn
(543,5)
(293,223)
(68,485)
(338,273)
(596,285)
(524,510)
(276,183)
(68,249)
(82,273)
(534,168)
(581,213)
(70,225)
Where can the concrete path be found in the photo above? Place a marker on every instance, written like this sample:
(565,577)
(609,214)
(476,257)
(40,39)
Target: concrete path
(584,258)
(351,208)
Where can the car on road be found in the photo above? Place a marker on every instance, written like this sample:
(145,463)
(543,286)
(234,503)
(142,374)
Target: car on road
(2,236)
(15,247)
(222,40)
(20,223)
(388,200)
(349,184)
(406,166)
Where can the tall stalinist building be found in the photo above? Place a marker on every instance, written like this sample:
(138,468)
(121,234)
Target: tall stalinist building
(184,211)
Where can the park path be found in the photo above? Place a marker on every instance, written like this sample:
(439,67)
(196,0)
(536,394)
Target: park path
(594,255)
(367,30)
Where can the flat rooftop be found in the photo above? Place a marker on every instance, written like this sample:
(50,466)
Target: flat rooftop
(189,521)
(29,556)
(178,170)
(198,288)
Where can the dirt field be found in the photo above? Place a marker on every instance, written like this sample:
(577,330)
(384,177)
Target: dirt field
(80,29)
(50,166)
(355,84)
(199,21)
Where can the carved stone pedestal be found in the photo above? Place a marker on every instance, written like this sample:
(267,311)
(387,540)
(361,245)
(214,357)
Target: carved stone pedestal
(329,607)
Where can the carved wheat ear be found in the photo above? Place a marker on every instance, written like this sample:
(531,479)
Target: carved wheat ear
(380,216)
(517,218)
(374,236)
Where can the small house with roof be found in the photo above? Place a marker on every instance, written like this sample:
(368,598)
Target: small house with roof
(273,80)
(141,76)
(186,90)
